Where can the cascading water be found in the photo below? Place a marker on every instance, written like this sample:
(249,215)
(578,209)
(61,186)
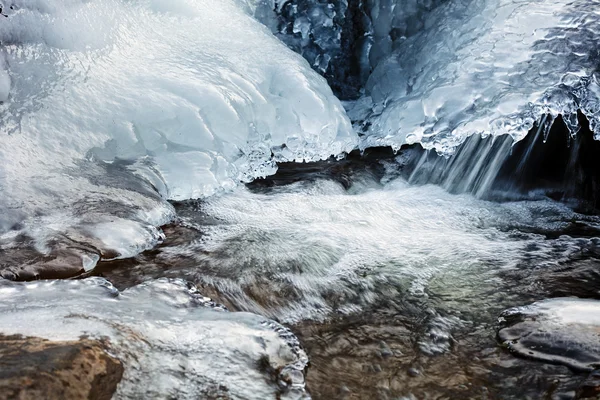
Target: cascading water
(150,141)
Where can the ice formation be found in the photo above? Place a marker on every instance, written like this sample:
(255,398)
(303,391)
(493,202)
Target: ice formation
(174,343)
(562,330)
(486,67)
(190,96)
(436,71)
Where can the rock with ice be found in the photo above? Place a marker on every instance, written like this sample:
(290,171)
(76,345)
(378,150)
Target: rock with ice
(172,341)
(182,98)
(487,67)
(562,330)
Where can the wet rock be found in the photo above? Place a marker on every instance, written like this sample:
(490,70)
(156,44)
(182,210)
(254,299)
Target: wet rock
(590,388)
(23,261)
(561,330)
(35,368)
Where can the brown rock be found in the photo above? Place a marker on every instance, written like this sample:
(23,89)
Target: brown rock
(23,261)
(34,368)
(589,388)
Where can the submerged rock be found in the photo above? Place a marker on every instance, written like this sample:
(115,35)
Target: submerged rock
(35,368)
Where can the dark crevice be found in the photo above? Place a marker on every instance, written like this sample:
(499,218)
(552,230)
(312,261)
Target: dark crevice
(567,167)
(347,75)
(557,165)
(334,49)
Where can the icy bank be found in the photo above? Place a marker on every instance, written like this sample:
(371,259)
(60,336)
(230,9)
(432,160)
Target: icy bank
(486,67)
(191,96)
(173,342)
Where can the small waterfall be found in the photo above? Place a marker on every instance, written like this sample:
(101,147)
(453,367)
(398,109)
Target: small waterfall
(473,168)
(550,160)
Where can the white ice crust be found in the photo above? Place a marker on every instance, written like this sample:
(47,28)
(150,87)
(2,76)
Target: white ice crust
(484,67)
(193,96)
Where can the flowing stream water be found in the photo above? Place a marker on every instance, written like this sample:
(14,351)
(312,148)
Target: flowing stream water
(419,222)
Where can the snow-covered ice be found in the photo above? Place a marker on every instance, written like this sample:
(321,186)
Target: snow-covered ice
(193,96)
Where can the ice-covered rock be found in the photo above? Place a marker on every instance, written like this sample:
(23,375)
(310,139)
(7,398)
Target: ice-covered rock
(563,330)
(393,21)
(438,71)
(173,342)
(191,96)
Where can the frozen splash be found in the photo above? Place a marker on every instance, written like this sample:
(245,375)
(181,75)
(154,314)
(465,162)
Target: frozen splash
(174,343)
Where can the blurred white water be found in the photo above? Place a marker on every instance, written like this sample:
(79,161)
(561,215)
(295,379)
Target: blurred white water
(324,251)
